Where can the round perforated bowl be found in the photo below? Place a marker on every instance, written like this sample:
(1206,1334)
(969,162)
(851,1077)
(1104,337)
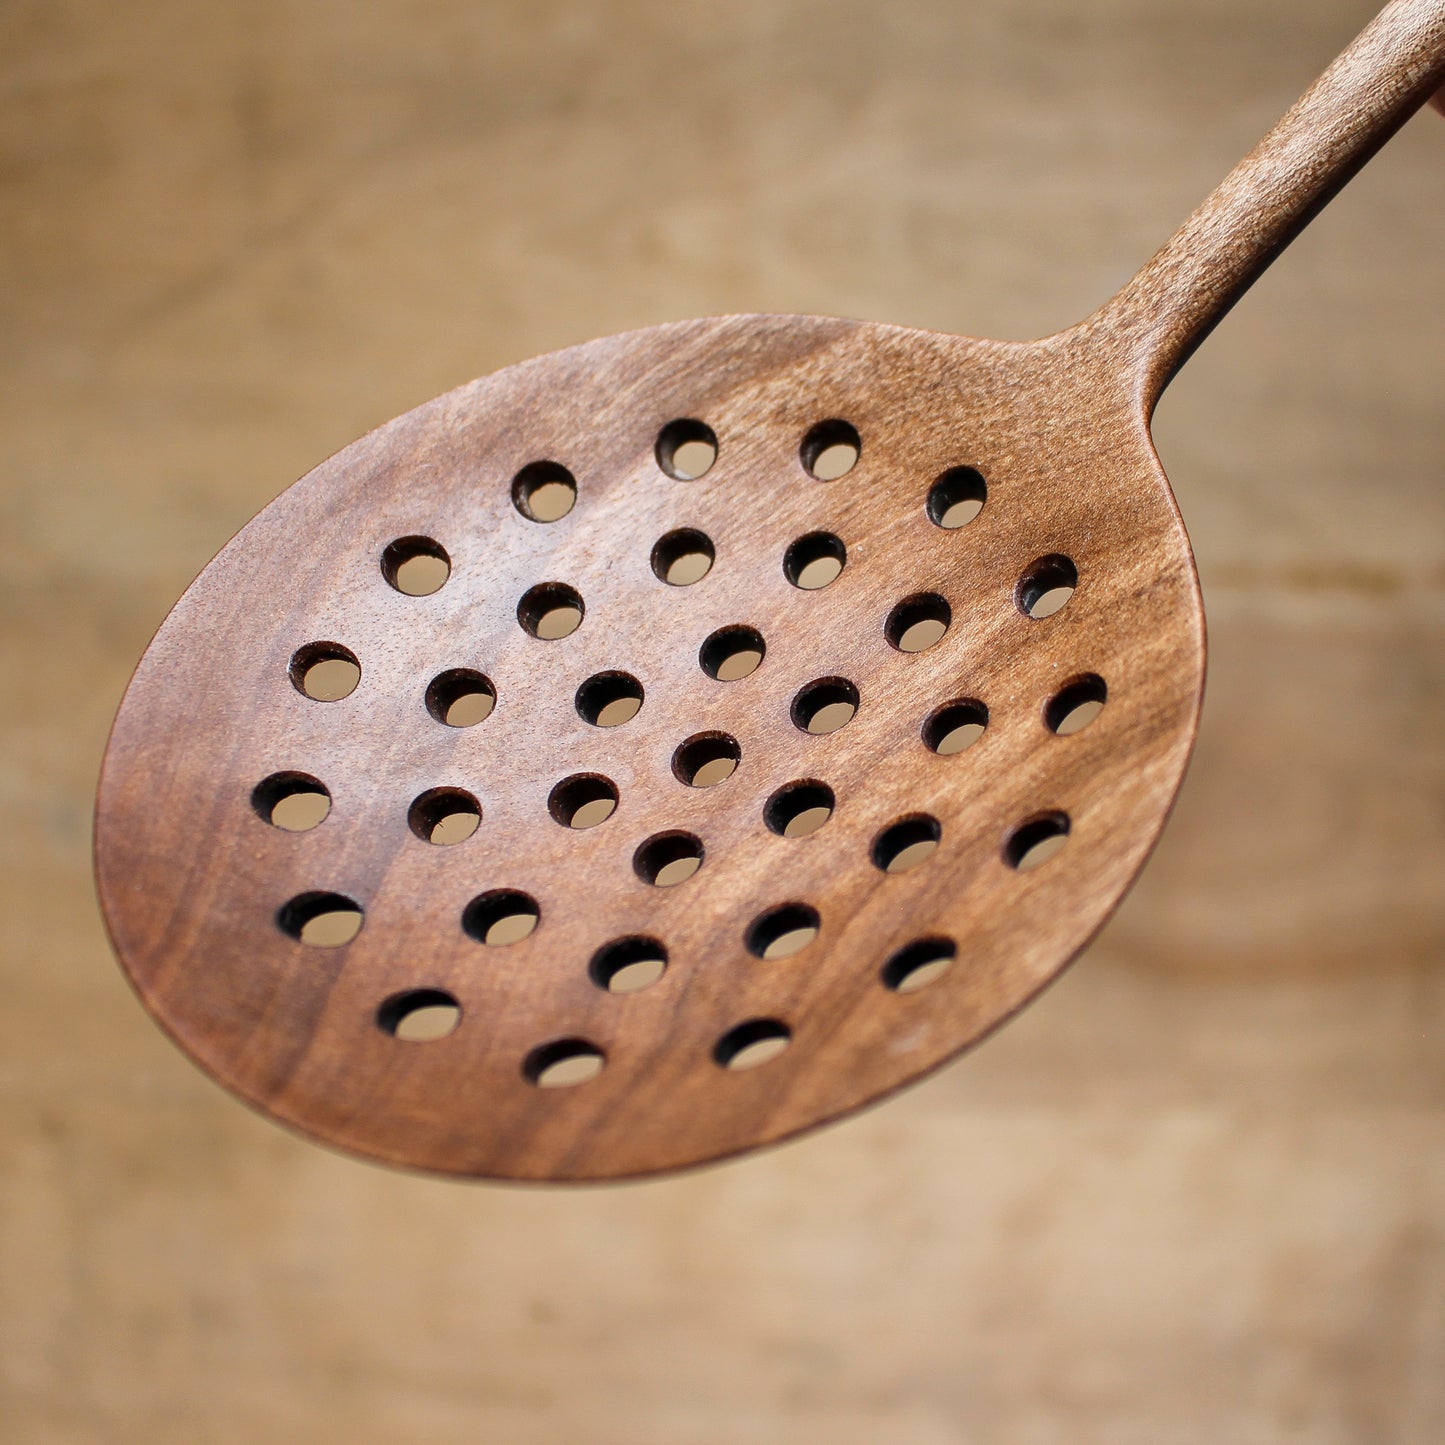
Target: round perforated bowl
(654,749)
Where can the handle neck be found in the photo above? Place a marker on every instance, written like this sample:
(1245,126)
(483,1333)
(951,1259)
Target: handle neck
(1380,80)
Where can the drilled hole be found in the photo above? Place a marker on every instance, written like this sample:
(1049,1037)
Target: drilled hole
(667,859)
(814,561)
(445,816)
(628,965)
(583,801)
(706,759)
(751,1044)
(918,964)
(550,610)
(325,671)
(825,705)
(322,920)
(1036,840)
(955,726)
(1076,705)
(918,622)
(732,653)
(294,802)
(783,931)
(563,1064)
(544,491)
(683,557)
(609,699)
(830,450)
(1046,586)
(417,566)
(906,843)
(956,498)
(460,698)
(420,1015)
(500,917)
(799,808)
(686,449)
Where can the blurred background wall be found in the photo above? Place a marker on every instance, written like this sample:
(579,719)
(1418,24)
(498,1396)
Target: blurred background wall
(1197,1192)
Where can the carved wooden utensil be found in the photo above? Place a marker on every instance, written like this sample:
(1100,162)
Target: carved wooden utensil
(584,774)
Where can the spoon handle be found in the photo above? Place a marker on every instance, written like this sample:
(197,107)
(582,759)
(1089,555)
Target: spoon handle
(1388,72)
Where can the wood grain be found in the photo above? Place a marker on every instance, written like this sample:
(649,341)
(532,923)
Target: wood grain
(1192,1193)
(1057,429)
(193,879)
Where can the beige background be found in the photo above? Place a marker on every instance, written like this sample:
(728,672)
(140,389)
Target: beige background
(1197,1193)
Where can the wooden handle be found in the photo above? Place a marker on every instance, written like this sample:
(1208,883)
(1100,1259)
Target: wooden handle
(1388,72)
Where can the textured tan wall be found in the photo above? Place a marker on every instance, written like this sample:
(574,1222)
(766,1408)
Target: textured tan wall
(1197,1193)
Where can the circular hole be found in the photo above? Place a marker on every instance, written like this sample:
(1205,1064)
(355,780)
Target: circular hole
(1036,840)
(460,698)
(918,622)
(799,808)
(500,917)
(420,1015)
(686,449)
(956,498)
(955,726)
(1076,705)
(325,671)
(825,705)
(563,1064)
(706,759)
(445,816)
(294,802)
(830,450)
(667,859)
(906,843)
(544,491)
(751,1044)
(417,566)
(918,964)
(322,920)
(1046,586)
(583,801)
(609,699)
(814,561)
(628,965)
(683,557)
(550,610)
(782,931)
(732,652)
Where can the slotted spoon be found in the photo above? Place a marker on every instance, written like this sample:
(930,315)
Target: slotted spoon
(656,748)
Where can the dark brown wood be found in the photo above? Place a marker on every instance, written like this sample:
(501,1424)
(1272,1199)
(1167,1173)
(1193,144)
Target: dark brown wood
(205,895)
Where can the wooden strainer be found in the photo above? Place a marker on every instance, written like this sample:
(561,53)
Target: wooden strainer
(656,749)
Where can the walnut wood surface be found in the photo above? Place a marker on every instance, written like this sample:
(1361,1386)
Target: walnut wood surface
(192,878)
